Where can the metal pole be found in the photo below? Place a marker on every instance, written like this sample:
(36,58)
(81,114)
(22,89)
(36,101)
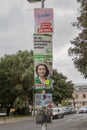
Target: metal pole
(44,126)
(33,104)
(42,3)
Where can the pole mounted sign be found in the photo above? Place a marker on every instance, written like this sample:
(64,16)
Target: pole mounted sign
(43,20)
(42,61)
(43,100)
(43,48)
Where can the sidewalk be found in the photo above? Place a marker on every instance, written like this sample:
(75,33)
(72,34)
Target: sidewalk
(15,119)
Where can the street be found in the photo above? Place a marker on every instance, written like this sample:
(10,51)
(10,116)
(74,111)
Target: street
(69,122)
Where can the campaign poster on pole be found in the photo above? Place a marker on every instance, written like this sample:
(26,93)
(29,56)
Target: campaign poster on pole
(43,61)
(43,20)
(43,100)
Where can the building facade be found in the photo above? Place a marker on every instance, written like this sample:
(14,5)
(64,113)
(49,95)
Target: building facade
(79,96)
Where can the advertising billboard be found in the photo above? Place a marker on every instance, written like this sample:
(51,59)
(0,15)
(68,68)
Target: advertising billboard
(43,20)
(42,61)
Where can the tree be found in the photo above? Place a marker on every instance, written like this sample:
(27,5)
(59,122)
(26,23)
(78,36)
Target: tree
(16,76)
(62,89)
(79,49)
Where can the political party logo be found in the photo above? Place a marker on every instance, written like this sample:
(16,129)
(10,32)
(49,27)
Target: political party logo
(47,82)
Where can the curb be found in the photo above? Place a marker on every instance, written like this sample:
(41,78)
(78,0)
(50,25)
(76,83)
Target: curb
(10,120)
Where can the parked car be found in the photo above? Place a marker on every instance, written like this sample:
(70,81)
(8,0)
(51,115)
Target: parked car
(68,110)
(83,109)
(65,110)
(71,110)
(57,113)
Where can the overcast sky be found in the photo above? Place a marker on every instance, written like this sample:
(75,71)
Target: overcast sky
(17,28)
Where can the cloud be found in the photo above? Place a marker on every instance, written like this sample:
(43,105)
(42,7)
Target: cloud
(64,64)
(14,30)
(17,28)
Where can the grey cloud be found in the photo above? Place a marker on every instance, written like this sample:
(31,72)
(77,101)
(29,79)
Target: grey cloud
(63,4)
(11,18)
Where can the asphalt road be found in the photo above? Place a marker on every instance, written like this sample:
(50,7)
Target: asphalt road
(69,122)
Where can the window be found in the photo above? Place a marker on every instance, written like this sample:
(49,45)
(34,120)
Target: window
(84,95)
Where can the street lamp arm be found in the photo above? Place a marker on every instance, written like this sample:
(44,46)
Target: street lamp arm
(31,1)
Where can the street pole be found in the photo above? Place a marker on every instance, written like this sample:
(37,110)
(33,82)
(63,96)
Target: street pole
(44,125)
(42,3)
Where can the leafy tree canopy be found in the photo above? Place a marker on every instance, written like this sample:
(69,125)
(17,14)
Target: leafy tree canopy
(62,88)
(79,49)
(16,76)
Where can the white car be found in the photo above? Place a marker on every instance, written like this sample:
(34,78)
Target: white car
(57,113)
(83,109)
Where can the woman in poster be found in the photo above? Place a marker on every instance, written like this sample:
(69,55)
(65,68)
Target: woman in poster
(42,72)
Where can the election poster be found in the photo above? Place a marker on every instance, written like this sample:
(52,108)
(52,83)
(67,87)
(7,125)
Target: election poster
(43,61)
(43,100)
(43,18)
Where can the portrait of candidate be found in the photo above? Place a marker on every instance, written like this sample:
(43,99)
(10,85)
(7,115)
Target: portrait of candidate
(42,73)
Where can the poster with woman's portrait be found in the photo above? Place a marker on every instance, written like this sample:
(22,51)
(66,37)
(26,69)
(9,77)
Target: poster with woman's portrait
(42,61)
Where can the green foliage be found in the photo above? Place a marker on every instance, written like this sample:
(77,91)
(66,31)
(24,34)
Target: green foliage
(62,89)
(65,103)
(16,76)
(79,49)
(21,102)
(18,104)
